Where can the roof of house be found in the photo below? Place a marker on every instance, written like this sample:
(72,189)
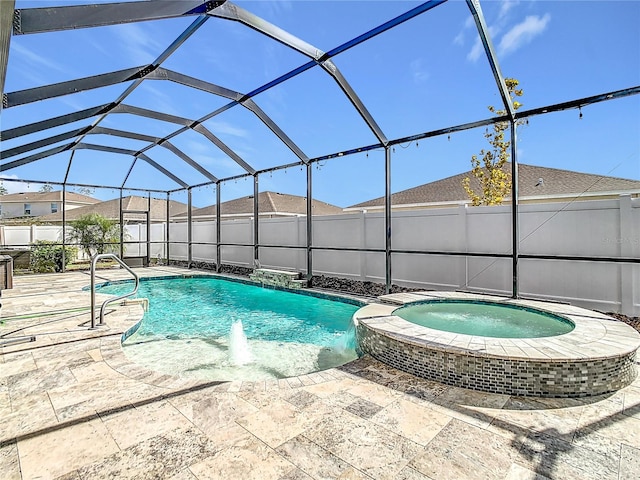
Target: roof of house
(533,181)
(273,203)
(54,196)
(111,209)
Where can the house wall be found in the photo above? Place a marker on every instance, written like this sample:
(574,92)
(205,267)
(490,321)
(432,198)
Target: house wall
(16,209)
(600,228)
(10,210)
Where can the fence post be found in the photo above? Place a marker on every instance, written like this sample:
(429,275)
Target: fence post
(363,244)
(300,242)
(464,247)
(515,217)
(168,214)
(189,229)
(626,242)
(309,225)
(64,227)
(121,220)
(256,223)
(218,228)
(387,218)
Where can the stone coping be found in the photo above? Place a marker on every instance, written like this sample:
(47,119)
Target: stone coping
(277,272)
(595,335)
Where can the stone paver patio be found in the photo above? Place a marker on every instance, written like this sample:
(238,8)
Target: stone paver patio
(72,406)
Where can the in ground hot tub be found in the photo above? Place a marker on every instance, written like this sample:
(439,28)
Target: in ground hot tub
(486,319)
(590,354)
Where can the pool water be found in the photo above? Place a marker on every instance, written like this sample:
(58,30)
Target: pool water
(485,319)
(188,329)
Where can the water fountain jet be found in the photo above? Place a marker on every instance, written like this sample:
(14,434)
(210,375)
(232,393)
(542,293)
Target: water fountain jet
(239,352)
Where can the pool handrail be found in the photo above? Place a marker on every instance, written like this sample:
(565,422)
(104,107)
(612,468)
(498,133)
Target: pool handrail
(94,261)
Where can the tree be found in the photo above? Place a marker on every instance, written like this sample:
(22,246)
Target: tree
(495,182)
(85,191)
(3,190)
(94,233)
(46,188)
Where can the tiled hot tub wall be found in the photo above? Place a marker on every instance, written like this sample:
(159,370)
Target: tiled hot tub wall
(506,375)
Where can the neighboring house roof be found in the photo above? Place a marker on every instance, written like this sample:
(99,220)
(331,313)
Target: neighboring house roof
(269,203)
(55,196)
(111,209)
(534,182)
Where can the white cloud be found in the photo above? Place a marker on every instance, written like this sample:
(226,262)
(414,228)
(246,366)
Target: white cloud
(279,7)
(419,71)
(33,58)
(209,156)
(160,100)
(197,147)
(71,102)
(506,6)
(476,51)
(459,39)
(523,33)
(98,46)
(4,175)
(17,187)
(469,22)
(226,166)
(516,37)
(33,77)
(218,127)
(270,60)
(139,43)
(468,25)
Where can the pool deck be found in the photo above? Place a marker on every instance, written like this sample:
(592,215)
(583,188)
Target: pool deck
(73,407)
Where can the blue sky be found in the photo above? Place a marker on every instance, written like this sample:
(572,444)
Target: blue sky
(426,74)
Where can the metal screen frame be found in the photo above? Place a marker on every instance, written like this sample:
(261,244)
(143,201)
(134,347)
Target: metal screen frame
(34,21)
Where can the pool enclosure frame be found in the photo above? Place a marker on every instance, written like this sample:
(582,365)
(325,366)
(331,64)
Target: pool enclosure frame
(41,20)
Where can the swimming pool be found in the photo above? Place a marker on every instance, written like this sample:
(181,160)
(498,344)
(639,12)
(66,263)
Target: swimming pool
(216,329)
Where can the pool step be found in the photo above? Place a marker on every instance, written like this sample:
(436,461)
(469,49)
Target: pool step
(137,301)
(278,278)
(405,297)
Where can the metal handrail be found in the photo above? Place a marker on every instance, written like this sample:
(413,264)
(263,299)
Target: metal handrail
(109,300)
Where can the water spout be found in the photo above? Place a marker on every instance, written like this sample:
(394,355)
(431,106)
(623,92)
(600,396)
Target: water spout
(347,341)
(239,352)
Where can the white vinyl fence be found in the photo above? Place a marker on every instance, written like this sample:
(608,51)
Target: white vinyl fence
(27,234)
(595,228)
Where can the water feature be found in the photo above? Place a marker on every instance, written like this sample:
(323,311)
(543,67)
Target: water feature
(239,351)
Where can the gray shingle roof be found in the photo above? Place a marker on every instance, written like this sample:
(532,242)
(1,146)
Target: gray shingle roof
(269,203)
(110,209)
(555,183)
(55,196)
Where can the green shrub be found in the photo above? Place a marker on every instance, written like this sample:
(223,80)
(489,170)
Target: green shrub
(46,256)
